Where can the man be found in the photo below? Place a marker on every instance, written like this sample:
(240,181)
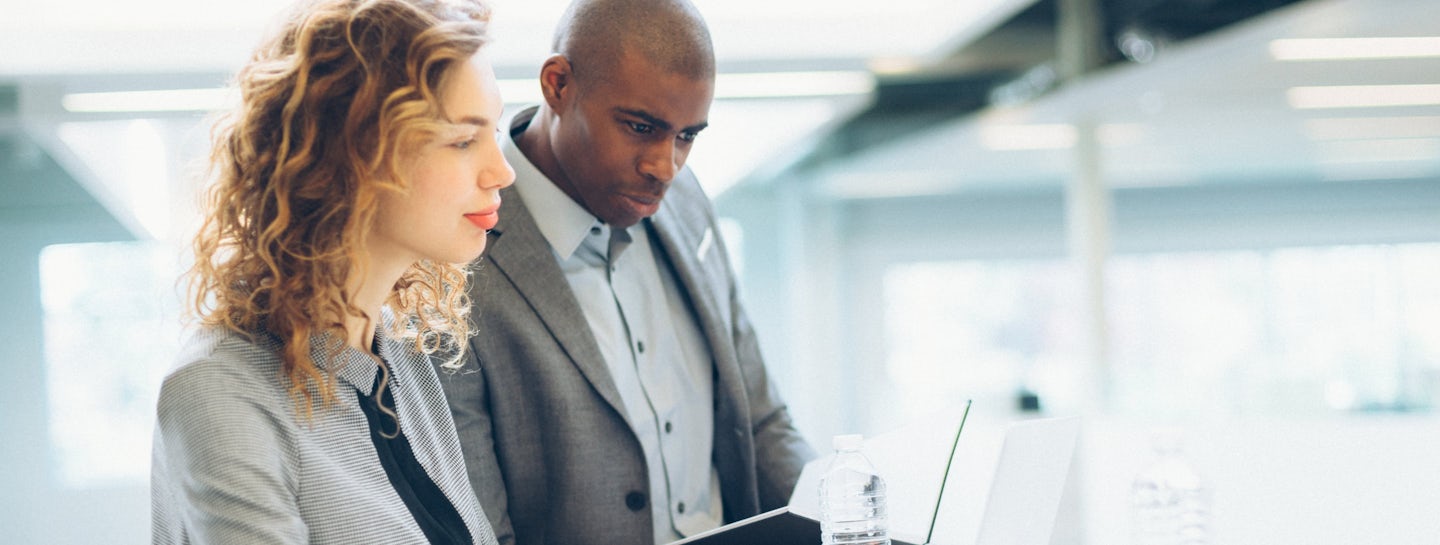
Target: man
(618,395)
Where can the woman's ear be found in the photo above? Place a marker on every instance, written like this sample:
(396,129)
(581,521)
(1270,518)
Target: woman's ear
(555,80)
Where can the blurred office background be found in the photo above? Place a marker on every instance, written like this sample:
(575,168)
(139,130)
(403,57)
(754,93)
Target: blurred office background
(1217,216)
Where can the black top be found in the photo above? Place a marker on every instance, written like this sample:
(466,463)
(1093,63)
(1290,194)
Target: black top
(436,516)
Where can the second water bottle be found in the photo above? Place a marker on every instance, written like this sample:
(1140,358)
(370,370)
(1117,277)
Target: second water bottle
(852,498)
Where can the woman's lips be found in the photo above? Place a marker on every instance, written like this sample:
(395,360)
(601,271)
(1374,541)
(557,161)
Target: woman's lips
(485,220)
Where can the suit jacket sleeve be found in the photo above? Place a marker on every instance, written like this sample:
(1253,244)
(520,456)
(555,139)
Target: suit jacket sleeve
(219,444)
(780,450)
(470,406)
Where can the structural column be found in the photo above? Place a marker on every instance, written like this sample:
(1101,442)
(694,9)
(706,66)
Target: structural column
(1088,227)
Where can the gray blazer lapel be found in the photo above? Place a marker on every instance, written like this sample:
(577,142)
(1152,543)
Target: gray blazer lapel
(520,252)
(681,241)
(684,239)
(682,233)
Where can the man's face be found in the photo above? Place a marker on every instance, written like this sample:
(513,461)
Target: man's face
(622,138)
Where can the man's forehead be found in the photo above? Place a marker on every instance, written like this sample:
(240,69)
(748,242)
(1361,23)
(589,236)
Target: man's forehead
(674,98)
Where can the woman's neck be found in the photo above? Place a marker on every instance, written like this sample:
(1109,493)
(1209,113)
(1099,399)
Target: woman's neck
(369,287)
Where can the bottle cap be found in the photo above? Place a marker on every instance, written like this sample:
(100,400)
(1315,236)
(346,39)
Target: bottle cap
(847,442)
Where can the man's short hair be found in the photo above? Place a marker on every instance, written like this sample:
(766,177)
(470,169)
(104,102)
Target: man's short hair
(595,34)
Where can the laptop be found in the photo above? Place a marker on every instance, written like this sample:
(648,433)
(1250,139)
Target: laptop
(935,499)
(1029,481)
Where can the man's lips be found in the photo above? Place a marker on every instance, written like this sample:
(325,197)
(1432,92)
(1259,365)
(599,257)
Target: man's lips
(485,219)
(645,200)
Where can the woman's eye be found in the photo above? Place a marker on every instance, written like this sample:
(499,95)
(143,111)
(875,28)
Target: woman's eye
(465,144)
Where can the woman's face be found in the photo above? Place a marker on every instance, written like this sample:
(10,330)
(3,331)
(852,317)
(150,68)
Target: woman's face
(455,179)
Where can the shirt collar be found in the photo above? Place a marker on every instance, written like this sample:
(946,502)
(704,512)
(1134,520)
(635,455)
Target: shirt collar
(352,366)
(562,221)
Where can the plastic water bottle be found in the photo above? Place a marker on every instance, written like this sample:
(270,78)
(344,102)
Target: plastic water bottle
(1169,502)
(852,498)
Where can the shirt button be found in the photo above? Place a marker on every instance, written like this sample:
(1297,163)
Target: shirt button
(594,230)
(635,501)
(669,426)
(680,508)
(640,345)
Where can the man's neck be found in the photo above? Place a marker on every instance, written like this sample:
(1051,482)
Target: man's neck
(534,142)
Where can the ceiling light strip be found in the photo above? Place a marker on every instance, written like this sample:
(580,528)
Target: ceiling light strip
(527,91)
(168,100)
(1323,49)
(1366,128)
(1363,96)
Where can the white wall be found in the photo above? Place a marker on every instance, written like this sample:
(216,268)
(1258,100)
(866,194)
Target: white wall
(35,508)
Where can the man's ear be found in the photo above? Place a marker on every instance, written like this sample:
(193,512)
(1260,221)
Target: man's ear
(556,79)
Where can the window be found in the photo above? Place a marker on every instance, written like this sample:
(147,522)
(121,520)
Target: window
(983,330)
(111,332)
(1279,332)
(1285,332)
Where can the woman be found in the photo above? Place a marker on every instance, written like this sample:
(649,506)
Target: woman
(357,177)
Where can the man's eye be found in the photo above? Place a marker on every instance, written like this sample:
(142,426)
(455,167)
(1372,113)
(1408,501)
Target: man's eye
(465,144)
(688,136)
(640,128)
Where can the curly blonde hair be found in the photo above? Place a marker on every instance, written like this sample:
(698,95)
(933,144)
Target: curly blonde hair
(330,107)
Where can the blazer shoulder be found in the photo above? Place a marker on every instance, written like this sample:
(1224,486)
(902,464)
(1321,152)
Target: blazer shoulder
(217,366)
(688,203)
(687,185)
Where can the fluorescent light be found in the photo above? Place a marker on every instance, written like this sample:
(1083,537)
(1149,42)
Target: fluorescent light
(1380,151)
(1027,137)
(894,66)
(168,100)
(793,84)
(1354,48)
(738,85)
(513,91)
(1363,128)
(1056,136)
(1363,96)
(1117,135)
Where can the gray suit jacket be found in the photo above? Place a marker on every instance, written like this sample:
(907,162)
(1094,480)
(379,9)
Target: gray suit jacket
(233,462)
(541,421)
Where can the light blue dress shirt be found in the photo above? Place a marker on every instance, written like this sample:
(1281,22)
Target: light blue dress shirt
(651,343)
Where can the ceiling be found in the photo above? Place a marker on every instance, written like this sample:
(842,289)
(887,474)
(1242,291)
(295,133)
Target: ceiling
(959,85)
(49,50)
(168,36)
(1216,108)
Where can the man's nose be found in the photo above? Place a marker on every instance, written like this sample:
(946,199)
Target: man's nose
(662,160)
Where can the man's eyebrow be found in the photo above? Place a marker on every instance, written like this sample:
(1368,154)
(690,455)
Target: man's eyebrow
(642,114)
(660,123)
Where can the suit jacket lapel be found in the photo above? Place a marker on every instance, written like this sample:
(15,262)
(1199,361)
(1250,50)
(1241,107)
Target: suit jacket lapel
(680,245)
(520,252)
(733,452)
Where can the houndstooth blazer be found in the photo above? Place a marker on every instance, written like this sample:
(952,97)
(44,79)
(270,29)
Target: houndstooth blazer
(234,464)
